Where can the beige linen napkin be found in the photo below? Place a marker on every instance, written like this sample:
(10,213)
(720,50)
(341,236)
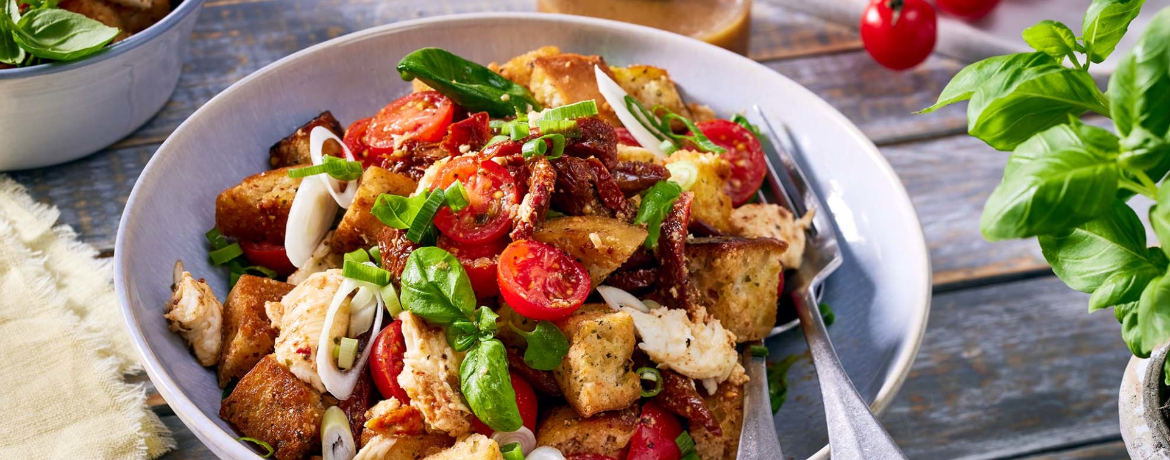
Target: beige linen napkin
(65,347)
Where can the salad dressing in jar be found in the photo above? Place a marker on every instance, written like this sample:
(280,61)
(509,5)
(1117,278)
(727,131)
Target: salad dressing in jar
(723,23)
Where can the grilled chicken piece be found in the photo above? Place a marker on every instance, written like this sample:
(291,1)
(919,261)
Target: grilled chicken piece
(430,377)
(773,221)
(196,315)
(300,317)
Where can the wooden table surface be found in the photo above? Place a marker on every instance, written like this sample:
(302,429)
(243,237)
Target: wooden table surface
(1011,367)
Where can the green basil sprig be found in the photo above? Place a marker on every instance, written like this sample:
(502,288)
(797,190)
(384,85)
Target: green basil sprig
(655,205)
(470,85)
(10,52)
(547,346)
(435,287)
(50,33)
(1066,182)
(487,386)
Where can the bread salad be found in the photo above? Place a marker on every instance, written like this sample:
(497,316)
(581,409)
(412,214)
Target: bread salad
(549,258)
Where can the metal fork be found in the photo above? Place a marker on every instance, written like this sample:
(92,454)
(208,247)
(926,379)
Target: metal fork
(854,432)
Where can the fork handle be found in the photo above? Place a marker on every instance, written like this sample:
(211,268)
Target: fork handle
(854,433)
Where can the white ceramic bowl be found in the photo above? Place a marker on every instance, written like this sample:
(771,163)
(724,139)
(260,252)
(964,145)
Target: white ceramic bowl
(53,113)
(881,294)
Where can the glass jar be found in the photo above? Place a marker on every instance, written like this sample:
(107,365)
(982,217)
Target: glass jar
(725,23)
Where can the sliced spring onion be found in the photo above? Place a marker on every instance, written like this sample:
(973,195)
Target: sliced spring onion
(684,173)
(518,130)
(567,128)
(223,255)
(367,273)
(496,140)
(617,298)
(539,146)
(312,213)
(615,96)
(423,221)
(358,255)
(758,351)
(497,125)
(258,270)
(347,352)
(335,167)
(512,451)
(457,197)
(654,377)
(336,437)
(686,444)
(668,146)
(545,453)
(337,382)
(390,298)
(361,309)
(317,139)
(376,256)
(572,111)
(522,436)
(741,120)
(267,447)
(216,238)
(696,138)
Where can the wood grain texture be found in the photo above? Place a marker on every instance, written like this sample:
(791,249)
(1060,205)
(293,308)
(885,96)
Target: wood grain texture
(1010,370)
(1110,450)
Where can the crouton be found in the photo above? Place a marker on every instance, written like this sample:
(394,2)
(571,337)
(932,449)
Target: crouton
(601,244)
(726,405)
(519,68)
(403,447)
(632,153)
(430,377)
(568,78)
(595,375)
(257,208)
(651,86)
(359,228)
(99,11)
(248,335)
(294,149)
(273,405)
(606,434)
(737,278)
(773,221)
(472,447)
(711,204)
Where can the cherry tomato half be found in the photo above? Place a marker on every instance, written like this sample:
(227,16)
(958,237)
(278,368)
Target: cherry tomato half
(654,439)
(525,401)
(386,361)
(968,9)
(423,116)
(479,261)
(625,138)
(899,34)
(540,281)
(268,255)
(355,140)
(491,194)
(745,154)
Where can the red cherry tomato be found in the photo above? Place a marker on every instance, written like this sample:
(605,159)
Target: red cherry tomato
(625,138)
(654,439)
(540,281)
(899,34)
(968,9)
(745,154)
(491,194)
(780,287)
(268,255)
(423,116)
(355,140)
(386,361)
(525,401)
(479,261)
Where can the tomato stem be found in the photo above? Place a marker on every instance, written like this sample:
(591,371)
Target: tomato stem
(895,7)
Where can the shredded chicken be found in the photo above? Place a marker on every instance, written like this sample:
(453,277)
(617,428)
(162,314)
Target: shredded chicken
(323,258)
(430,376)
(773,221)
(197,316)
(300,317)
(700,350)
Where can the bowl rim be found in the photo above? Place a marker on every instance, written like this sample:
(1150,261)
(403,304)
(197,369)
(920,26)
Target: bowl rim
(220,441)
(186,7)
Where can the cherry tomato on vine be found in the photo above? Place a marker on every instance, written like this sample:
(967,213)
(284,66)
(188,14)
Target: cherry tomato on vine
(525,401)
(386,361)
(491,194)
(968,9)
(479,261)
(540,281)
(899,34)
(745,154)
(424,116)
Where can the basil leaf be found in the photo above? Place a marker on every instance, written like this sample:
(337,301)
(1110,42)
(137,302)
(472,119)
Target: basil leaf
(968,80)
(1073,135)
(1160,217)
(488,387)
(61,35)
(1053,38)
(547,346)
(485,322)
(1106,256)
(1153,316)
(1105,22)
(435,287)
(654,207)
(10,52)
(462,334)
(472,86)
(1139,94)
(397,211)
(1034,94)
(1127,315)
(1064,181)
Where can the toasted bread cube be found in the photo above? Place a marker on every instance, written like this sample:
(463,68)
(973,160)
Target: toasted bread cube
(415,447)
(601,244)
(519,68)
(737,278)
(257,209)
(711,204)
(472,447)
(359,228)
(595,375)
(568,78)
(248,335)
(726,405)
(273,405)
(607,434)
(651,86)
(294,149)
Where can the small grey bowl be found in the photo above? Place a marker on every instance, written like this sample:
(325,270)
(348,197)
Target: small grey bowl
(53,113)
(1143,426)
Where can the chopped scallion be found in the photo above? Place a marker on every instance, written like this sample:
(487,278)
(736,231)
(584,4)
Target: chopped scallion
(497,125)
(684,173)
(267,447)
(686,444)
(216,238)
(259,271)
(518,130)
(223,255)
(668,146)
(358,256)
(758,351)
(741,120)
(335,167)
(572,111)
(539,146)
(390,298)
(367,273)
(457,198)
(423,221)
(512,451)
(347,352)
(376,256)
(496,140)
(654,377)
(567,128)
